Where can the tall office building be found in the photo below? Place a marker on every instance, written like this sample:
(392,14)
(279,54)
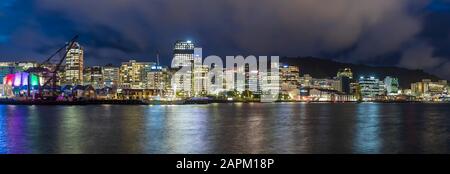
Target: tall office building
(74,65)
(133,74)
(290,79)
(186,54)
(183,53)
(200,80)
(111,76)
(371,87)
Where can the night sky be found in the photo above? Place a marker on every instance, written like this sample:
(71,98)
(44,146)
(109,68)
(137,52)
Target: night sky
(406,33)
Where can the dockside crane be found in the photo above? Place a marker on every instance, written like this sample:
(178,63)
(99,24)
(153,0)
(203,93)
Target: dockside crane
(53,74)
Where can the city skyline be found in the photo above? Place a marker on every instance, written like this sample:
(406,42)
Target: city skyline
(384,33)
(250,83)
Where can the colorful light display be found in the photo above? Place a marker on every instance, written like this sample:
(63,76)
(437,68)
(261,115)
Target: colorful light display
(8,80)
(34,80)
(21,79)
(17,80)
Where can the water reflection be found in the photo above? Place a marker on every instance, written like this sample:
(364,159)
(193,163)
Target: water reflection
(368,129)
(3,130)
(226,128)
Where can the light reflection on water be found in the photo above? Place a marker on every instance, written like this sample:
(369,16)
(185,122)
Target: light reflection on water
(226,128)
(367,130)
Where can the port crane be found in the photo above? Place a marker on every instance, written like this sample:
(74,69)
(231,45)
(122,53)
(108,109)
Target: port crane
(51,75)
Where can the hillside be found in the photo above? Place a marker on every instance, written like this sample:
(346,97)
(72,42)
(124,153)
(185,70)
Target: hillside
(323,68)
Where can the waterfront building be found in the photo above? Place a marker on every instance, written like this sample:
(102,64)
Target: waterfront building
(111,76)
(229,82)
(345,85)
(330,84)
(327,95)
(74,65)
(371,88)
(269,81)
(133,74)
(7,68)
(13,67)
(93,76)
(355,89)
(20,84)
(158,79)
(306,80)
(106,93)
(84,92)
(200,80)
(429,90)
(217,85)
(392,85)
(290,80)
(182,82)
(251,82)
(137,94)
(232,80)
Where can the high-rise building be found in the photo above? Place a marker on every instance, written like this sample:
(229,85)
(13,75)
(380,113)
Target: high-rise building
(251,79)
(269,81)
(157,78)
(74,65)
(200,80)
(232,81)
(371,87)
(290,80)
(111,76)
(199,74)
(133,74)
(183,53)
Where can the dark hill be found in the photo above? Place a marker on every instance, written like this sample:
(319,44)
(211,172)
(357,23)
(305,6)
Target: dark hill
(324,68)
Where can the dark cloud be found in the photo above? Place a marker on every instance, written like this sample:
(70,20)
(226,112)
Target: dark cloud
(352,30)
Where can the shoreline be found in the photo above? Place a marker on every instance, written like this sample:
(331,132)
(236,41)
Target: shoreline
(181,102)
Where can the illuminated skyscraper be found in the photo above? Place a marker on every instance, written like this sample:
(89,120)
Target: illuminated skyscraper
(289,79)
(74,65)
(183,53)
(371,87)
(133,74)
